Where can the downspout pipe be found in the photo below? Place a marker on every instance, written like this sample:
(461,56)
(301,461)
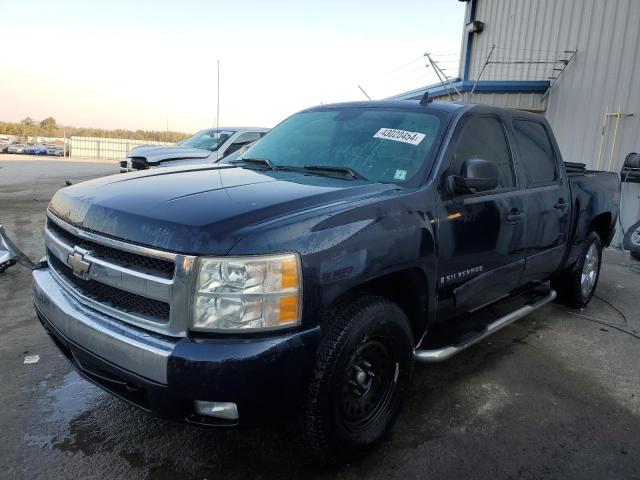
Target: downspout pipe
(470,17)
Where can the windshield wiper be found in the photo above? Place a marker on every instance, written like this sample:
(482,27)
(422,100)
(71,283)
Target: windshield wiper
(265,162)
(335,169)
(319,169)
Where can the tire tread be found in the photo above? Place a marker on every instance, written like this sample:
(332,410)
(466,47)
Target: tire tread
(341,319)
(567,283)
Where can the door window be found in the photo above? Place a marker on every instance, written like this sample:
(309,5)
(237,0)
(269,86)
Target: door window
(538,159)
(484,137)
(248,137)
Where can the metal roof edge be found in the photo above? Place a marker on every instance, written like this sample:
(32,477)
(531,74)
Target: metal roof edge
(484,86)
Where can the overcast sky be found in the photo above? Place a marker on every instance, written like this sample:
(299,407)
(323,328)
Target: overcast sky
(118,64)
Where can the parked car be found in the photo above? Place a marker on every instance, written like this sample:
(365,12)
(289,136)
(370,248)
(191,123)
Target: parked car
(35,150)
(16,148)
(206,146)
(300,283)
(55,150)
(630,174)
(632,240)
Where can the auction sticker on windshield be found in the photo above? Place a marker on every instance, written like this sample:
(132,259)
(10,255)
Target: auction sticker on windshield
(414,138)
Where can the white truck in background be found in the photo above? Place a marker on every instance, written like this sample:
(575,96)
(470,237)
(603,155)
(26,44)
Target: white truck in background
(207,146)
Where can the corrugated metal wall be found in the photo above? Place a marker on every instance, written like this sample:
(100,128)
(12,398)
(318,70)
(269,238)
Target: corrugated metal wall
(105,148)
(532,102)
(605,71)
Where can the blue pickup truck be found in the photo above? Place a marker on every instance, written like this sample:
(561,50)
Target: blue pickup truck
(301,282)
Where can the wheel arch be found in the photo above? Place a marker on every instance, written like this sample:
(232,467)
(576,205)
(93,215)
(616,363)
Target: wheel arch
(408,288)
(601,224)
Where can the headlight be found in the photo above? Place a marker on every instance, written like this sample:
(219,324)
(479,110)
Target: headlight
(248,293)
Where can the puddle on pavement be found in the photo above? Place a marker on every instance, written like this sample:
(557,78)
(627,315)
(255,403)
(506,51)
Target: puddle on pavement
(61,405)
(71,398)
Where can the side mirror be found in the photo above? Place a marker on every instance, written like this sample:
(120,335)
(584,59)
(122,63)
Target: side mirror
(476,175)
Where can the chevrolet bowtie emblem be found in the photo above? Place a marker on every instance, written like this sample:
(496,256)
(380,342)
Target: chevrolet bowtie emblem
(78,264)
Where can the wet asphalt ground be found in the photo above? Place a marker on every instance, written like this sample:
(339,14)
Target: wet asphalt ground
(555,395)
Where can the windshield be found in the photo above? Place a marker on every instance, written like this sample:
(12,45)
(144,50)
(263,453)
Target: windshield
(379,144)
(210,139)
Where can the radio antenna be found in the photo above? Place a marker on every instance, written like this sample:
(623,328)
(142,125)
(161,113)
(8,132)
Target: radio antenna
(218,116)
(365,93)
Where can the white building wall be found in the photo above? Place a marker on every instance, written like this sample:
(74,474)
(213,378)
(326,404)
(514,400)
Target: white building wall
(532,102)
(605,72)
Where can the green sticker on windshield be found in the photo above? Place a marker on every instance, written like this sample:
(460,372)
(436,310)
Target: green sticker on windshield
(400,175)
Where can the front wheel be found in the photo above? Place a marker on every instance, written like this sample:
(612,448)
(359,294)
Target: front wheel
(363,367)
(576,286)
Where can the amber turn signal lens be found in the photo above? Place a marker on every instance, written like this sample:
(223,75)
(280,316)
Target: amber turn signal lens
(288,309)
(289,273)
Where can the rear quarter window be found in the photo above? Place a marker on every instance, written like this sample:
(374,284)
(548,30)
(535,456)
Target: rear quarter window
(536,150)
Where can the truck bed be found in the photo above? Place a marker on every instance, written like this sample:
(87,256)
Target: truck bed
(595,195)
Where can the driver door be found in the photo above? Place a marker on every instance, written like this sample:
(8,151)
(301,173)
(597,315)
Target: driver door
(480,235)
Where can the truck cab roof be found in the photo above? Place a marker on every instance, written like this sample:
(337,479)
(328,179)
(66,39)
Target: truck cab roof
(406,104)
(435,105)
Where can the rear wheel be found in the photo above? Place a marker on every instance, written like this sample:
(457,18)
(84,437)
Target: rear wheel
(576,286)
(364,364)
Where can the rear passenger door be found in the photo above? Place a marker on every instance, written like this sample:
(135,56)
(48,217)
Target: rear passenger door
(548,198)
(480,235)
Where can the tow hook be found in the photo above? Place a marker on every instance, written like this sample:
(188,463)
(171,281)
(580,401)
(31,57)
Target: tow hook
(11,255)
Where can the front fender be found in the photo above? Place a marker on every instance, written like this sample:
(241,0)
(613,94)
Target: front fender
(344,249)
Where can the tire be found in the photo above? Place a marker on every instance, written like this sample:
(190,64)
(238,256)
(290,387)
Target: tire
(632,240)
(364,364)
(576,285)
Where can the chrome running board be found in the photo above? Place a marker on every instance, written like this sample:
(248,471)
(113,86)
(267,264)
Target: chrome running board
(444,353)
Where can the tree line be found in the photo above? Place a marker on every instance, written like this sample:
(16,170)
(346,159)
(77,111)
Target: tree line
(50,128)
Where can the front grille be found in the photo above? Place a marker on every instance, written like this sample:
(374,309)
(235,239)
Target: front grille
(123,163)
(119,299)
(154,266)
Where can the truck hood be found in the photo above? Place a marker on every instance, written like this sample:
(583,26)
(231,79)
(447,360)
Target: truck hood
(157,154)
(198,210)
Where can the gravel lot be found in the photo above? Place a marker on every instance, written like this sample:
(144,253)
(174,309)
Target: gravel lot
(556,395)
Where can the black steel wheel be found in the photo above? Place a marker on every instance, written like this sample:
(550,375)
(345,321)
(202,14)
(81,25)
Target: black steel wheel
(363,367)
(368,384)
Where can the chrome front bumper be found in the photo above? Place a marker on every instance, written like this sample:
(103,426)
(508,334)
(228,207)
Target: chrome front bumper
(140,352)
